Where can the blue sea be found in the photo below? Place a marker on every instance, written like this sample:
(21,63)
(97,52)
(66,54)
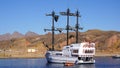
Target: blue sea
(101,62)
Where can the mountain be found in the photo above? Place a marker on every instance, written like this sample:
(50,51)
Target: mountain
(6,36)
(31,34)
(17,35)
(106,41)
(9,36)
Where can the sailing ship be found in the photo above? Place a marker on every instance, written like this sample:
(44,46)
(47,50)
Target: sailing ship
(78,53)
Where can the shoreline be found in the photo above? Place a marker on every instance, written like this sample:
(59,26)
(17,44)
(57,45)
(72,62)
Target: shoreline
(21,57)
(37,57)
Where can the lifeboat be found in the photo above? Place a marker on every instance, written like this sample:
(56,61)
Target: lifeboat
(68,64)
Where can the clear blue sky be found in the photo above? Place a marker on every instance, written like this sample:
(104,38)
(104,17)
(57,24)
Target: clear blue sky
(29,15)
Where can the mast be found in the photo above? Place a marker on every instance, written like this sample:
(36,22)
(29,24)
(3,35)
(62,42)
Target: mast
(67,13)
(54,17)
(77,25)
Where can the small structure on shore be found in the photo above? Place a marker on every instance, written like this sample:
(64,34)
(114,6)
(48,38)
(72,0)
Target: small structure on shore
(31,50)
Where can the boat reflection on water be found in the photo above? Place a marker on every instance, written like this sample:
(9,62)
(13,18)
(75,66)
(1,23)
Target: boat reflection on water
(56,65)
(85,66)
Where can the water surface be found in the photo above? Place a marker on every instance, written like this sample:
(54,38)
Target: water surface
(101,62)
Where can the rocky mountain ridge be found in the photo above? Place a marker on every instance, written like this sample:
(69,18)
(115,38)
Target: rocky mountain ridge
(106,41)
(16,35)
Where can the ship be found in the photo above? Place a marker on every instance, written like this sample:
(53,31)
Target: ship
(77,53)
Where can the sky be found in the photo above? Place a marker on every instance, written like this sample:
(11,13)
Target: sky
(30,15)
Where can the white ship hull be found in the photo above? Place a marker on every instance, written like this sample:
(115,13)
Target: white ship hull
(73,54)
(63,59)
(60,59)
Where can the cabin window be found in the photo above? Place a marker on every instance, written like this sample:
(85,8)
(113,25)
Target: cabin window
(48,54)
(58,54)
(75,51)
(67,47)
(75,55)
(88,51)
